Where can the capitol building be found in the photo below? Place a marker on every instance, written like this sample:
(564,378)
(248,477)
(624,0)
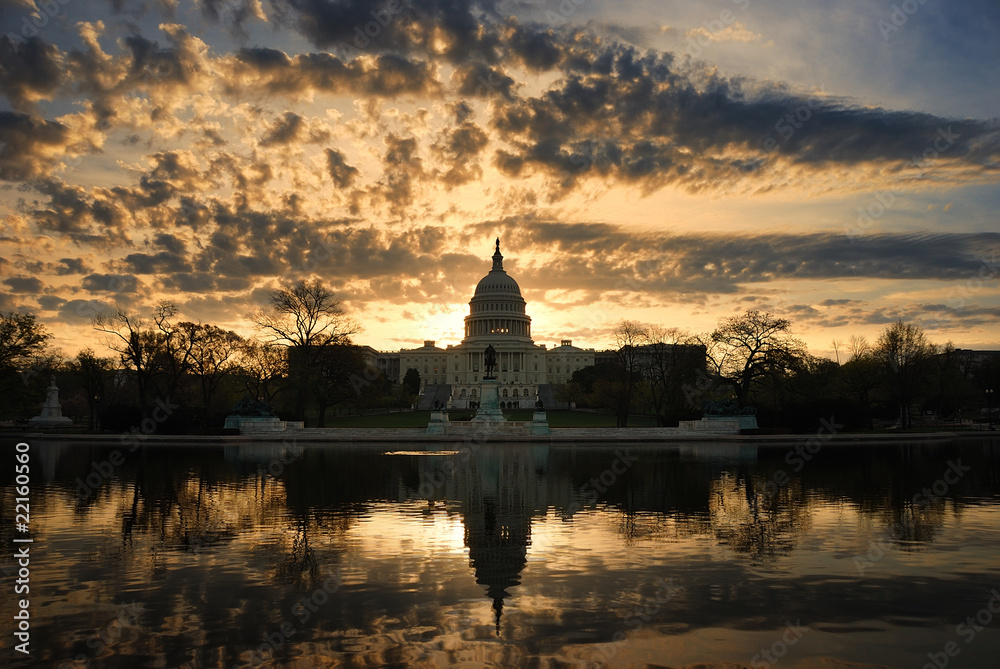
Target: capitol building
(498,315)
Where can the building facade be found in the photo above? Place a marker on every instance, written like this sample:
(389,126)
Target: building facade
(498,315)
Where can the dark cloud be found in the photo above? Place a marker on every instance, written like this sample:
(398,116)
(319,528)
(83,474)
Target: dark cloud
(84,218)
(343,175)
(83,311)
(482,81)
(403,174)
(275,73)
(233,13)
(452,28)
(71,266)
(459,148)
(169,242)
(24,284)
(284,131)
(28,144)
(292,128)
(29,71)
(641,120)
(110,283)
(608,258)
(50,302)
(155,263)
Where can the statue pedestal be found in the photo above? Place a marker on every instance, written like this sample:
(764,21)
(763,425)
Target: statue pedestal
(438,423)
(539,424)
(489,403)
(51,415)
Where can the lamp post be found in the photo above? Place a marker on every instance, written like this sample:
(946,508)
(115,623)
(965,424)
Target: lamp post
(97,412)
(989,405)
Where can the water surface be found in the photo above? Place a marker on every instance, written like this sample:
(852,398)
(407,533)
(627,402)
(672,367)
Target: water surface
(298,555)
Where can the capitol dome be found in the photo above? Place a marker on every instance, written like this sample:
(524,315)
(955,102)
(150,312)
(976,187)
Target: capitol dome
(498,281)
(497,309)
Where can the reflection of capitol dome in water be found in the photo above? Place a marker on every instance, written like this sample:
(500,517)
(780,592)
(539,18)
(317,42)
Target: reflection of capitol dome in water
(498,549)
(502,491)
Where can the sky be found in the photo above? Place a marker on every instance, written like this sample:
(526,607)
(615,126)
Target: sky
(672,163)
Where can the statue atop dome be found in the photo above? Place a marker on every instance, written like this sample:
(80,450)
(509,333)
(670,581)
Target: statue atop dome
(498,258)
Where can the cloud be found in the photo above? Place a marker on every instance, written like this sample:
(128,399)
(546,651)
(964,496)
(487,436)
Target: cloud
(24,284)
(291,128)
(343,175)
(30,71)
(29,145)
(452,29)
(736,32)
(459,149)
(272,72)
(79,312)
(110,283)
(644,121)
(72,266)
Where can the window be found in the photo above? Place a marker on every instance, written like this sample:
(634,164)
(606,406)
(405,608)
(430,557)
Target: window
(505,392)
(515,392)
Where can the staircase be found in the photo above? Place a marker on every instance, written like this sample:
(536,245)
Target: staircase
(431,394)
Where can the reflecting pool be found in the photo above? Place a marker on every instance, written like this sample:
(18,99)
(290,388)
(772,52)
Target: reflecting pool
(296,555)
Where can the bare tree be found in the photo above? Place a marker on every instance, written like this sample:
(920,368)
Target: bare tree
(904,351)
(629,338)
(173,351)
(673,359)
(837,345)
(306,314)
(263,366)
(749,348)
(306,317)
(128,336)
(94,373)
(211,353)
(862,374)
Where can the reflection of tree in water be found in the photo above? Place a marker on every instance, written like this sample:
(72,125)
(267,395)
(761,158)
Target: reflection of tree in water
(754,523)
(911,525)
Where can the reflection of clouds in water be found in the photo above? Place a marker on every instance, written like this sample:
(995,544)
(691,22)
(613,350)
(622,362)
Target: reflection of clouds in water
(495,545)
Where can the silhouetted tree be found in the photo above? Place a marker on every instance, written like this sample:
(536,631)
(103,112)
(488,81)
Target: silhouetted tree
(747,349)
(904,352)
(411,381)
(306,316)
(94,373)
(263,367)
(211,353)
